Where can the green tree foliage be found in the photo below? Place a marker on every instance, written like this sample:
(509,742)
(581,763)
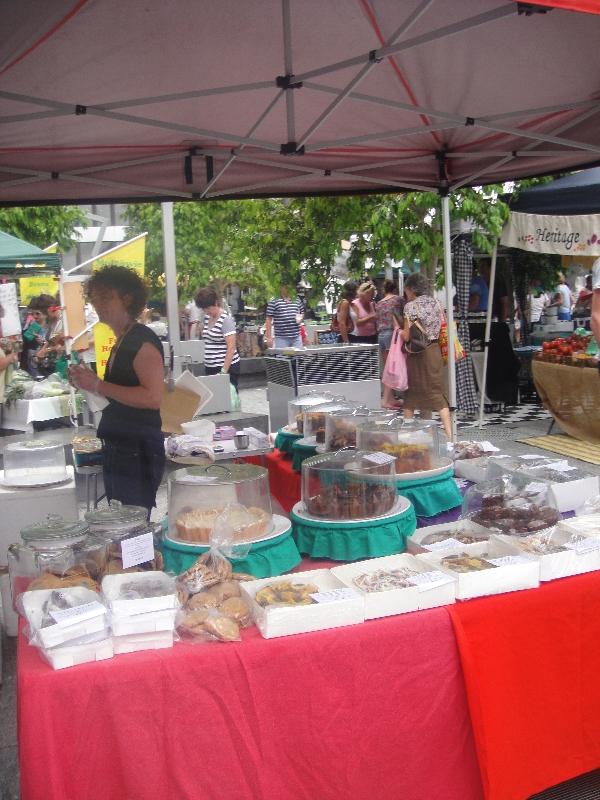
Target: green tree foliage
(43,225)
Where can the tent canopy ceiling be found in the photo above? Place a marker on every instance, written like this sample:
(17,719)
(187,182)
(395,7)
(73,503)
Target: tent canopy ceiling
(108,101)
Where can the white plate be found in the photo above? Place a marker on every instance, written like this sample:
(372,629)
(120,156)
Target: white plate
(401,504)
(279,526)
(424,473)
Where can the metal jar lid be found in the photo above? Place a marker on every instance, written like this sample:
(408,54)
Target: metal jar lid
(116,517)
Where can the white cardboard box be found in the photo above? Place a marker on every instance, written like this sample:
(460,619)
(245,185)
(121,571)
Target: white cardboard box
(65,656)
(111,589)
(397,601)
(287,620)
(563,564)
(511,577)
(571,495)
(142,641)
(57,634)
(152,622)
(414,546)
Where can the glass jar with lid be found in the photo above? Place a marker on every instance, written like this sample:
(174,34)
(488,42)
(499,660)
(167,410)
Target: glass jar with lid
(416,445)
(349,484)
(117,523)
(34,463)
(298,405)
(54,539)
(201,496)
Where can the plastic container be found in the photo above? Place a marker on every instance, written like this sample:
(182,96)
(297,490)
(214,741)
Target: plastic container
(349,484)
(199,496)
(340,426)
(139,593)
(134,642)
(34,463)
(117,523)
(43,542)
(517,506)
(315,418)
(297,406)
(71,656)
(416,446)
(47,632)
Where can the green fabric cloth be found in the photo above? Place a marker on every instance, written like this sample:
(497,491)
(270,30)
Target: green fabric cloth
(431,496)
(265,559)
(284,441)
(300,452)
(354,541)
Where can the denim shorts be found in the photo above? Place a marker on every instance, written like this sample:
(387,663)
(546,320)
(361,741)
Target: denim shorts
(385,339)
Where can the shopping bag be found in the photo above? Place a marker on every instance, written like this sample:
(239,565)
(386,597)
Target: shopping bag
(395,374)
(443,339)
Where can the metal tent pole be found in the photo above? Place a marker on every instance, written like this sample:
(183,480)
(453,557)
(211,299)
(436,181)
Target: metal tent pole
(171,288)
(449,309)
(488,327)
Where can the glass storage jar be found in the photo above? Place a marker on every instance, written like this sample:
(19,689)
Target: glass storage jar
(117,523)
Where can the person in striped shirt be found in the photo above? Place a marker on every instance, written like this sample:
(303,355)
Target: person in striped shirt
(219,337)
(284,317)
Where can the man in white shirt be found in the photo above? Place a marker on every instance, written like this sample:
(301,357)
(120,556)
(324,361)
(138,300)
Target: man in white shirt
(595,322)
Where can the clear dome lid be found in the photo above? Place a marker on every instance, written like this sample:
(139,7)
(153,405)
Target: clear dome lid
(32,446)
(517,505)
(298,404)
(53,530)
(349,484)
(315,417)
(340,425)
(200,497)
(117,517)
(416,444)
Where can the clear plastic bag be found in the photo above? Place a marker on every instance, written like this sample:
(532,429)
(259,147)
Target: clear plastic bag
(58,616)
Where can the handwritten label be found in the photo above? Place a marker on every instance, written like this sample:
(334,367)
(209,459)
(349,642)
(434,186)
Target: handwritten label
(430,580)
(509,561)
(445,544)
(71,616)
(334,595)
(379,458)
(583,545)
(137,550)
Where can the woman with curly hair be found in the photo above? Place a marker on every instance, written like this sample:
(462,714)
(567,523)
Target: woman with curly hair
(130,429)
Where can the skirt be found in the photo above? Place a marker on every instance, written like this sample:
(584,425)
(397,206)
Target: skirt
(426,380)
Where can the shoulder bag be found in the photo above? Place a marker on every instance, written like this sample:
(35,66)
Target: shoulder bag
(418,340)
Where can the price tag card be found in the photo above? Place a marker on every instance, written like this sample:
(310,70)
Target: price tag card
(583,545)
(446,544)
(488,447)
(70,616)
(508,561)
(137,550)
(333,595)
(430,580)
(379,458)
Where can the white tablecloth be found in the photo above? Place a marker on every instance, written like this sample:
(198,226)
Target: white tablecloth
(20,415)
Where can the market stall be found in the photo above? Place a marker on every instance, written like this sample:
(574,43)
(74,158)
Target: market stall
(571,395)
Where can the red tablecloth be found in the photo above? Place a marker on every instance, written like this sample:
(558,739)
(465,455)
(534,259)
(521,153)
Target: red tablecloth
(531,662)
(284,482)
(371,711)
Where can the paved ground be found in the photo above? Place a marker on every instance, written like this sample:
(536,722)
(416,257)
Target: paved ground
(501,430)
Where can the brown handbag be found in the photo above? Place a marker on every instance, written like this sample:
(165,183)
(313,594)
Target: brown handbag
(418,339)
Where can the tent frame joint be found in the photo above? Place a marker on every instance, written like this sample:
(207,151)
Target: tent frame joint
(291,149)
(374,58)
(287,82)
(80,110)
(530,8)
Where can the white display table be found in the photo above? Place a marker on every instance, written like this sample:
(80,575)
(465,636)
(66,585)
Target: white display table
(21,414)
(22,507)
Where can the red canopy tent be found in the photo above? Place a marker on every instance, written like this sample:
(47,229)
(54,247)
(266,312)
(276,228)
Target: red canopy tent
(102,100)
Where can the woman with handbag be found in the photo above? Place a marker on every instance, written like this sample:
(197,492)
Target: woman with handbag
(426,379)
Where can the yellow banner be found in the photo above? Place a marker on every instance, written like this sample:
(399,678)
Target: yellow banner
(36,285)
(130,254)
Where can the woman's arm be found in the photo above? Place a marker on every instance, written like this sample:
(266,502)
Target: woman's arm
(7,360)
(230,341)
(406,331)
(147,365)
(342,317)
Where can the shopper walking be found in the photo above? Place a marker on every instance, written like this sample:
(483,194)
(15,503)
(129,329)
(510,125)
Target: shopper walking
(284,316)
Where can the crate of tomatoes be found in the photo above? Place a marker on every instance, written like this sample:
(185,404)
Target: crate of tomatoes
(578,350)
